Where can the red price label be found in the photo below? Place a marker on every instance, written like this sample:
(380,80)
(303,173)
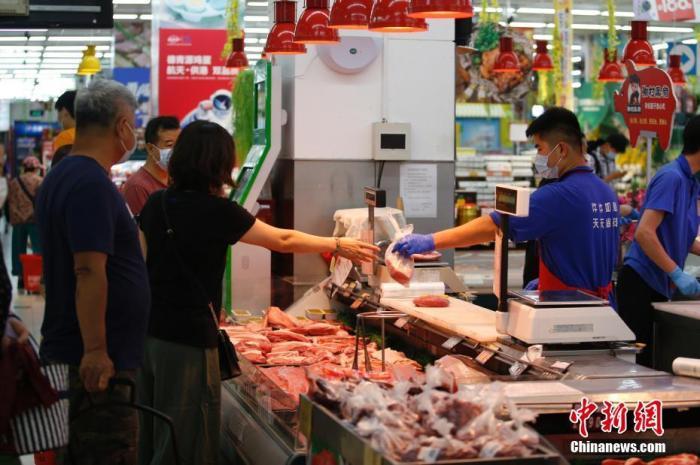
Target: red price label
(675,10)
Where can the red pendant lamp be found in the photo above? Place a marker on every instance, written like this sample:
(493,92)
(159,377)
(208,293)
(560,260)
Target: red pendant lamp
(611,71)
(280,41)
(507,61)
(440,9)
(542,60)
(675,71)
(350,14)
(312,27)
(237,57)
(392,16)
(638,49)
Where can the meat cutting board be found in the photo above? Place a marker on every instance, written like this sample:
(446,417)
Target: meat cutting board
(461,318)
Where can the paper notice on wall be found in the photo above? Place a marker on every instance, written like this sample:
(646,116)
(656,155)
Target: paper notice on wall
(418,189)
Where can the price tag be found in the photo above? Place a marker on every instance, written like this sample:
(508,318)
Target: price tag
(452,342)
(357,303)
(401,322)
(428,454)
(305,416)
(341,271)
(559,365)
(484,356)
(517,369)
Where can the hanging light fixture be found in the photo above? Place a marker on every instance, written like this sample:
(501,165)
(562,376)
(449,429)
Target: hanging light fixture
(542,60)
(350,14)
(312,27)
(675,71)
(90,64)
(237,58)
(611,71)
(280,40)
(507,61)
(440,9)
(392,16)
(638,49)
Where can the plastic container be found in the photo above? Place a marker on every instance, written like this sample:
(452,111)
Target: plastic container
(683,366)
(32,268)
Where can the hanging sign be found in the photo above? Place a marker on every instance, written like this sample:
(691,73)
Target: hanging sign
(675,10)
(689,56)
(647,103)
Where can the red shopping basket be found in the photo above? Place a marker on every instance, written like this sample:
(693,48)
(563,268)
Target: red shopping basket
(31,272)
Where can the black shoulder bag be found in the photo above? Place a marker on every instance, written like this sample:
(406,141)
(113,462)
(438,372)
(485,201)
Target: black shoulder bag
(228,360)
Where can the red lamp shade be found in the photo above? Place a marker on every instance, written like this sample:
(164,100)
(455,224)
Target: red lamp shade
(542,60)
(392,16)
(237,58)
(350,14)
(507,61)
(611,71)
(675,71)
(638,49)
(440,9)
(312,27)
(280,40)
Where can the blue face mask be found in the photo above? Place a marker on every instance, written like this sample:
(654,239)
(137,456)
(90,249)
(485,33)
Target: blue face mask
(543,169)
(165,157)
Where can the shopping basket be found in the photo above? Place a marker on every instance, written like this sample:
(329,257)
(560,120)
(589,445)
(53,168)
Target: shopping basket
(32,266)
(131,404)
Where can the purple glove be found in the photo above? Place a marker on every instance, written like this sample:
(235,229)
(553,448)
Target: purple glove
(414,244)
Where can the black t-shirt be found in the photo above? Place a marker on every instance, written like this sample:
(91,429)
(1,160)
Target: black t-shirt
(204,227)
(79,209)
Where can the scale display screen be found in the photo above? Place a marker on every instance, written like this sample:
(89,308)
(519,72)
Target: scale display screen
(506,200)
(559,298)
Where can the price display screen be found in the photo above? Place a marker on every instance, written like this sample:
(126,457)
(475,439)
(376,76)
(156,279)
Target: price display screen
(506,200)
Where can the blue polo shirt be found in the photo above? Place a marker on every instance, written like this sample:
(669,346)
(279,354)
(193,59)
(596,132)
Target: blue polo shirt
(576,221)
(674,191)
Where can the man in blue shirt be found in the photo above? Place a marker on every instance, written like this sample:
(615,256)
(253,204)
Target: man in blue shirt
(666,233)
(575,219)
(97,292)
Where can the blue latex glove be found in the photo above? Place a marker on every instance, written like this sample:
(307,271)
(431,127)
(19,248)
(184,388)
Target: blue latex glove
(413,244)
(685,283)
(533,285)
(634,216)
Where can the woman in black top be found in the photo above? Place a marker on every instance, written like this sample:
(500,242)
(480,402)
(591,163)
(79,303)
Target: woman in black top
(180,375)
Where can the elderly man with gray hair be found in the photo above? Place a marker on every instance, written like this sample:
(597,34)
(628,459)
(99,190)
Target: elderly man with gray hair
(97,292)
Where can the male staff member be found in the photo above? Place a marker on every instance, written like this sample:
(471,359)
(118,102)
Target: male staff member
(575,219)
(666,234)
(65,106)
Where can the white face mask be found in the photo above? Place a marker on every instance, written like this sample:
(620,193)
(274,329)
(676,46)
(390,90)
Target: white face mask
(128,152)
(544,169)
(164,157)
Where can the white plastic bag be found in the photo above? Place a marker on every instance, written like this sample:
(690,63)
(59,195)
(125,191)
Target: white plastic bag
(400,268)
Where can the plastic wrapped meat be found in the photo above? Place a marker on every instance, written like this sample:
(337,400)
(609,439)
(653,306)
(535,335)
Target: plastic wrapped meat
(400,268)
(431,301)
(291,380)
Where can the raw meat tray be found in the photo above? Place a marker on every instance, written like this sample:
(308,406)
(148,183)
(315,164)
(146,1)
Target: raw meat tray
(328,435)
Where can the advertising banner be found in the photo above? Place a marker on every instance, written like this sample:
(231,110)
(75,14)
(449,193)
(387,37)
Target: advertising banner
(193,82)
(665,10)
(138,80)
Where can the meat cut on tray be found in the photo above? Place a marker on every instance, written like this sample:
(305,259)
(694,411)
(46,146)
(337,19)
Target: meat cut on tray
(431,301)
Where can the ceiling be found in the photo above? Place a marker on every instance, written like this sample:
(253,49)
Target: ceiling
(41,64)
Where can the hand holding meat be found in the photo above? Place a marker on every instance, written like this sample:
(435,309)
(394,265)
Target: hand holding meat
(414,244)
(356,251)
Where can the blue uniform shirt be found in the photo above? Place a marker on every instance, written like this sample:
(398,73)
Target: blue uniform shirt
(576,221)
(674,191)
(79,209)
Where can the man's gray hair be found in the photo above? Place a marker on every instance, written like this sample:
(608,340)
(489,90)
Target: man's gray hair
(99,103)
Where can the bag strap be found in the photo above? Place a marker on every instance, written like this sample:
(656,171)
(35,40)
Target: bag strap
(23,186)
(170,235)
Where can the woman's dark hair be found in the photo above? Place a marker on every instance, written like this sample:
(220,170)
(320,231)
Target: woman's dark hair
(61,153)
(203,158)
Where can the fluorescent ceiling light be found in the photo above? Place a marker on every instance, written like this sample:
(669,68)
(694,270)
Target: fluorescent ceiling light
(527,25)
(62,61)
(577,59)
(669,29)
(21,39)
(125,16)
(254,55)
(64,66)
(576,72)
(619,14)
(21,48)
(574,47)
(585,12)
(258,30)
(77,55)
(131,2)
(86,39)
(660,62)
(663,46)
(590,27)
(19,56)
(253,49)
(15,60)
(262,4)
(690,41)
(250,40)
(75,47)
(146,17)
(576,84)
(535,11)
(542,36)
(478,9)
(262,19)
(25,30)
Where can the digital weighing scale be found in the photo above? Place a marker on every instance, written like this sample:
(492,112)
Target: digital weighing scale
(550,317)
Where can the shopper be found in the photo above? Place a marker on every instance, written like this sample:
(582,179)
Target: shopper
(65,106)
(615,144)
(180,375)
(161,133)
(22,195)
(666,234)
(574,219)
(97,293)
